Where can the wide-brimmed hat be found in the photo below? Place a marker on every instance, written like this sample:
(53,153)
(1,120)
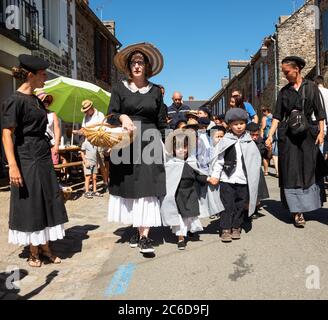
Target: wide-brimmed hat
(86,105)
(192,114)
(154,56)
(190,134)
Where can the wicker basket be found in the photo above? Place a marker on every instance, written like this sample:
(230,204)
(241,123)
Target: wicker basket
(108,136)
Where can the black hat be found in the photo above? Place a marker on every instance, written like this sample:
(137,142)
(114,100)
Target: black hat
(32,63)
(218,128)
(176,123)
(235,114)
(204,121)
(298,60)
(252,126)
(207,110)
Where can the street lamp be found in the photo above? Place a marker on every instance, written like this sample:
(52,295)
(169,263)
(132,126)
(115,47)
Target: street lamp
(264,51)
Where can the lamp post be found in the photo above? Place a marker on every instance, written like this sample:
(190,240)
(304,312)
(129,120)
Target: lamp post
(264,51)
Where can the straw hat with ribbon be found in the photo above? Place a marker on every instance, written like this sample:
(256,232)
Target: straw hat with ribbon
(154,56)
(86,105)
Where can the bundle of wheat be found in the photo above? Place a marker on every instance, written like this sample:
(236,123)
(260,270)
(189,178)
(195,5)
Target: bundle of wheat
(108,136)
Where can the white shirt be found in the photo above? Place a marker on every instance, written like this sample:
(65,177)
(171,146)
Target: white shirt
(51,127)
(238,175)
(204,152)
(97,117)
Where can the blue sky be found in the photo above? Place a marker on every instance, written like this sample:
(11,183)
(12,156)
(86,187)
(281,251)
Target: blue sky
(196,38)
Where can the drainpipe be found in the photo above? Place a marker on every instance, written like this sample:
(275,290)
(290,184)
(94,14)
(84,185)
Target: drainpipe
(275,68)
(73,34)
(317,36)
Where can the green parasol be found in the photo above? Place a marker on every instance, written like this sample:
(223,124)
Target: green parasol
(68,95)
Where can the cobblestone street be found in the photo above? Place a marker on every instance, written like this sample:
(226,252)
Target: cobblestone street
(269,262)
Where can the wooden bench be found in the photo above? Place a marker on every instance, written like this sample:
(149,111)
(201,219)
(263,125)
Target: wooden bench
(68,164)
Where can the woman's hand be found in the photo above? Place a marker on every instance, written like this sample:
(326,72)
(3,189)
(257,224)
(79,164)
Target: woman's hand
(127,123)
(268,142)
(320,138)
(15,177)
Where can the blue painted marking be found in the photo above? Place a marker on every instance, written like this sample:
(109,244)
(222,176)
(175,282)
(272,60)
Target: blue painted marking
(121,280)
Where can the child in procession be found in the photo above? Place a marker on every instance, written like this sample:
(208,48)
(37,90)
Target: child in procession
(236,166)
(182,207)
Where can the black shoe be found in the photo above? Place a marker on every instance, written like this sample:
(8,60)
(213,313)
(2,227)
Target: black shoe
(145,245)
(190,234)
(182,245)
(134,240)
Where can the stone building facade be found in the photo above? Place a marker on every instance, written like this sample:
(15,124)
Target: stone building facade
(296,36)
(323,39)
(96,47)
(261,80)
(66,33)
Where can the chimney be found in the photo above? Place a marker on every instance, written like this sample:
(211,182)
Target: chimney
(191,98)
(110,25)
(224,81)
(282,19)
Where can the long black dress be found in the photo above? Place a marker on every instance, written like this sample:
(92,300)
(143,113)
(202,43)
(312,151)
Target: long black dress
(301,164)
(138,179)
(38,205)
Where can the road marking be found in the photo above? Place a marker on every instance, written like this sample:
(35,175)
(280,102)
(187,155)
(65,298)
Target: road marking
(121,280)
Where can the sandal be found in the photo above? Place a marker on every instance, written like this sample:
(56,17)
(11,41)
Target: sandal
(34,261)
(50,256)
(266,173)
(299,220)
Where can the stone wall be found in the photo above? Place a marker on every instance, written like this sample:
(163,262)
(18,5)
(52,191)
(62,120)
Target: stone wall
(59,64)
(296,36)
(85,47)
(267,96)
(323,52)
(85,39)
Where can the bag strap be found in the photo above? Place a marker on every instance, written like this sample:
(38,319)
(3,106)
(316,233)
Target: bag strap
(303,98)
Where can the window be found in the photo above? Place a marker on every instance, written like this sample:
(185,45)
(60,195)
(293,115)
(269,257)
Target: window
(262,77)
(50,19)
(102,54)
(257,81)
(266,74)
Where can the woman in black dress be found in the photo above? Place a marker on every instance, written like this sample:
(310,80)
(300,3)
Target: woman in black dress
(37,211)
(135,187)
(301,165)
